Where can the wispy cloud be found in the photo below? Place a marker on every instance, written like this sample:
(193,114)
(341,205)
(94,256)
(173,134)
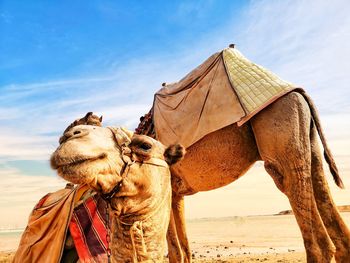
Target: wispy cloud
(20,192)
(192,9)
(292,38)
(21,146)
(37,113)
(305,42)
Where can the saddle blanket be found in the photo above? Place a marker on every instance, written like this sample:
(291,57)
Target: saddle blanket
(227,88)
(88,230)
(75,208)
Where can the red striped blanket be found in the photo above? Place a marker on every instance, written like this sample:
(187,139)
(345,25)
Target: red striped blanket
(88,229)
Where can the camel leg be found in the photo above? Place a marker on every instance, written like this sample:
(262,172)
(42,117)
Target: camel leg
(282,133)
(318,246)
(332,220)
(174,248)
(178,207)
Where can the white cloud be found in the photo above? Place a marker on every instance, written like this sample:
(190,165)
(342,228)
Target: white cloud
(38,112)
(8,113)
(191,10)
(296,39)
(21,145)
(306,42)
(19,193)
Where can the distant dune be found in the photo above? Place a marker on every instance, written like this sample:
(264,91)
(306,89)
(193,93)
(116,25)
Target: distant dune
(341,208)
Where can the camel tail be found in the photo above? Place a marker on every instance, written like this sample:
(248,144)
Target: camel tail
(327,152)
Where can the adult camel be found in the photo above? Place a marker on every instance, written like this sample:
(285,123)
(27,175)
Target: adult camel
(284,137)
(132,174)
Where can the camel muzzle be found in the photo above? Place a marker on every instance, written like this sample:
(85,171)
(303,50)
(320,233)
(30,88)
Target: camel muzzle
(111,194)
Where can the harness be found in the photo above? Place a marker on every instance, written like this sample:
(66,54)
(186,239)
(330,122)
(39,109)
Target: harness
(128,158)
(123,141)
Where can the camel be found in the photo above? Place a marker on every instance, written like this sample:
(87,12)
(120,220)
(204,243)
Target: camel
(284,136)
(132,172)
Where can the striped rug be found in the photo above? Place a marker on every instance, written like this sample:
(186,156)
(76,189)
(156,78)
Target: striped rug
(88,229)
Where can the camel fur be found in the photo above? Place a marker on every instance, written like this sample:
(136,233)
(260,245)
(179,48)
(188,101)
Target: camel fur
(134,168)
(283,136)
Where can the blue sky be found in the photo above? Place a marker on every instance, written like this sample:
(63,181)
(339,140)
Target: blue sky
(60,59)
(44,40)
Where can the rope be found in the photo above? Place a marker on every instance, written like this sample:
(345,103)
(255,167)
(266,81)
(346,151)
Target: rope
(136,227)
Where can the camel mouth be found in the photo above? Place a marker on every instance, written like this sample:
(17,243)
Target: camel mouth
(57,162)
(113,192)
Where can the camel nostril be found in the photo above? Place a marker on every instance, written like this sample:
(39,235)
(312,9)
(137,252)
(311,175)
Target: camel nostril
(72,134)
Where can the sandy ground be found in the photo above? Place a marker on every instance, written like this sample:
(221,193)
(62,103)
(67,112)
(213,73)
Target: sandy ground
(246,239)
(235,239)
(6,257)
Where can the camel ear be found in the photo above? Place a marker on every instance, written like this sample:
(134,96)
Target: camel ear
(91,119)
(174,153)
(87,116)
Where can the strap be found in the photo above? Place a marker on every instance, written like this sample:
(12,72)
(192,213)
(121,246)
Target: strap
(156,162)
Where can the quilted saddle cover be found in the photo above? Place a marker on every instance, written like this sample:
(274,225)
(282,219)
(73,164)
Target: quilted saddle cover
(227,88)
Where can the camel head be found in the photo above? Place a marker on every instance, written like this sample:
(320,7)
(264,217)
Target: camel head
(114,162)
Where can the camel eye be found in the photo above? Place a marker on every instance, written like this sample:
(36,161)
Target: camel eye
(145,146)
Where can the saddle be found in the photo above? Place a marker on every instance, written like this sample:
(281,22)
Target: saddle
(227,88)
(74,212)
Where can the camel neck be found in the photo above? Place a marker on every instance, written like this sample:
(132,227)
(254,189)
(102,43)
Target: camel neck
(142,240)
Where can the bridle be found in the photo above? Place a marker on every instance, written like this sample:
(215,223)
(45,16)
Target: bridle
(128,159)
(123,141)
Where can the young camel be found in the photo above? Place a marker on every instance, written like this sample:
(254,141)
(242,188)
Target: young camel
(133,173)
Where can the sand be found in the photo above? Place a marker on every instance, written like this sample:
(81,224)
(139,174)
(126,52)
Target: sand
(246,239)
(235,239)
(278,258)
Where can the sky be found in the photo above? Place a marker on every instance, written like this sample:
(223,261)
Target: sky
(61,59)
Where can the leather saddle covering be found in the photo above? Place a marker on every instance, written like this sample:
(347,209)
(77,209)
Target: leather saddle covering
(227,88)
(44,237)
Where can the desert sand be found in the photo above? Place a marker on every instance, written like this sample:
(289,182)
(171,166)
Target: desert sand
(233,239)
(6,257)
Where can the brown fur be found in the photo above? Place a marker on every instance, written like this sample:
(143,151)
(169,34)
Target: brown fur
(327,152)
(282,136)
(174,153)
(141,206)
